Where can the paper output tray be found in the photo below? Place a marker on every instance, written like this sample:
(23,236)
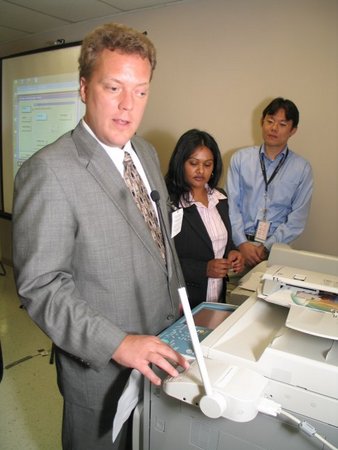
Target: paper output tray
(313,322)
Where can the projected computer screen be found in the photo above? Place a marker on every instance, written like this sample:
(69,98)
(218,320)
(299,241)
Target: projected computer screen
(40,102)
(44,109)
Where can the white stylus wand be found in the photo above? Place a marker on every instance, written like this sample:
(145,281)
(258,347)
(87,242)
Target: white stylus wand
(194,339)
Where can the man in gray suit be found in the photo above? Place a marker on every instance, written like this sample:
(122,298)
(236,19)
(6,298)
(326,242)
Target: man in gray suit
(87,269)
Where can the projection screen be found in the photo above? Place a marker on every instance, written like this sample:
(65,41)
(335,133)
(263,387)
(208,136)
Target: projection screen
(40,102)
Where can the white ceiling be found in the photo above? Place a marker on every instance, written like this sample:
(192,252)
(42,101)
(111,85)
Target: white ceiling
(20,19)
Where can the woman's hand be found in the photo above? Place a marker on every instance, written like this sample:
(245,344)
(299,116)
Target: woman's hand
(218,268)
(236,261)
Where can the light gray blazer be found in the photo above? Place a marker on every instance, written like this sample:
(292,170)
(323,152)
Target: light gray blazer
(87,269)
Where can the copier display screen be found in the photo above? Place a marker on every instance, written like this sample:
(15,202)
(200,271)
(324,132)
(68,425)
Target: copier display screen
(210,318)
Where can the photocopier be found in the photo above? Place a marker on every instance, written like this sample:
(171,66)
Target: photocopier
(272,366)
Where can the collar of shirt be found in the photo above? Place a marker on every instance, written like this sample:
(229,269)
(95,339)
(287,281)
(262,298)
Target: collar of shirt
(278,157)
(214,196)
(116,154)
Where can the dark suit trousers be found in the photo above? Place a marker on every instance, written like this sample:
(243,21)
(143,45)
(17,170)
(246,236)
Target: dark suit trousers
(81,430)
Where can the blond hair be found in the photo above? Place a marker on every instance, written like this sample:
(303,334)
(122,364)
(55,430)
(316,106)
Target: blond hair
(114,36)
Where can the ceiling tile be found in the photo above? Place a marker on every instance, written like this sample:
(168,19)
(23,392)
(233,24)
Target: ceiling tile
(70,10)
(128,5)
(6,34)
(22,19)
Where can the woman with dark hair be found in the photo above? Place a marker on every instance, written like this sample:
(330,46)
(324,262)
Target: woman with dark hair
(204,244)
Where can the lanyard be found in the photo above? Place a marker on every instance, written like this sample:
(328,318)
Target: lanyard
(268,181)
(281,162)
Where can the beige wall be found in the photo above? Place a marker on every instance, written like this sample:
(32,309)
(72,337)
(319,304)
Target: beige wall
(220,62)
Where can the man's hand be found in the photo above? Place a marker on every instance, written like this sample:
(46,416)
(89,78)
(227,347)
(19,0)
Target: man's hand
(139,351)
(253,254)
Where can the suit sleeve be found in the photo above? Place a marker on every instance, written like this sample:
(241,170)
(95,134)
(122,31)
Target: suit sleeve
(44,231)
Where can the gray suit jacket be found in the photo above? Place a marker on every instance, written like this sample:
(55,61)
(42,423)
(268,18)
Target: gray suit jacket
(87,269)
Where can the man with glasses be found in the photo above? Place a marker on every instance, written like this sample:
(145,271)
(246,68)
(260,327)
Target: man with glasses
(269,187)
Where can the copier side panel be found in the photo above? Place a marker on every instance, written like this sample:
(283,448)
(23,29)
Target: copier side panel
(173,425)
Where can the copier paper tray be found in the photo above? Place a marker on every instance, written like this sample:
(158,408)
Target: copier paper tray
(311,296)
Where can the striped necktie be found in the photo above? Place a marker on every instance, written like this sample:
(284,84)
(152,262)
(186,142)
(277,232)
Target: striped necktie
(139,192)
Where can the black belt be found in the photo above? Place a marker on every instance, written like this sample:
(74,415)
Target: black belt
(250,237)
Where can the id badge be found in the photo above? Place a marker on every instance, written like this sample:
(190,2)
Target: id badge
(262,230)
(176,221)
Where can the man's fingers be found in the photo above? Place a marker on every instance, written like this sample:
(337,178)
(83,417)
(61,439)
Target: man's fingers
(139,352)
(151,375)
